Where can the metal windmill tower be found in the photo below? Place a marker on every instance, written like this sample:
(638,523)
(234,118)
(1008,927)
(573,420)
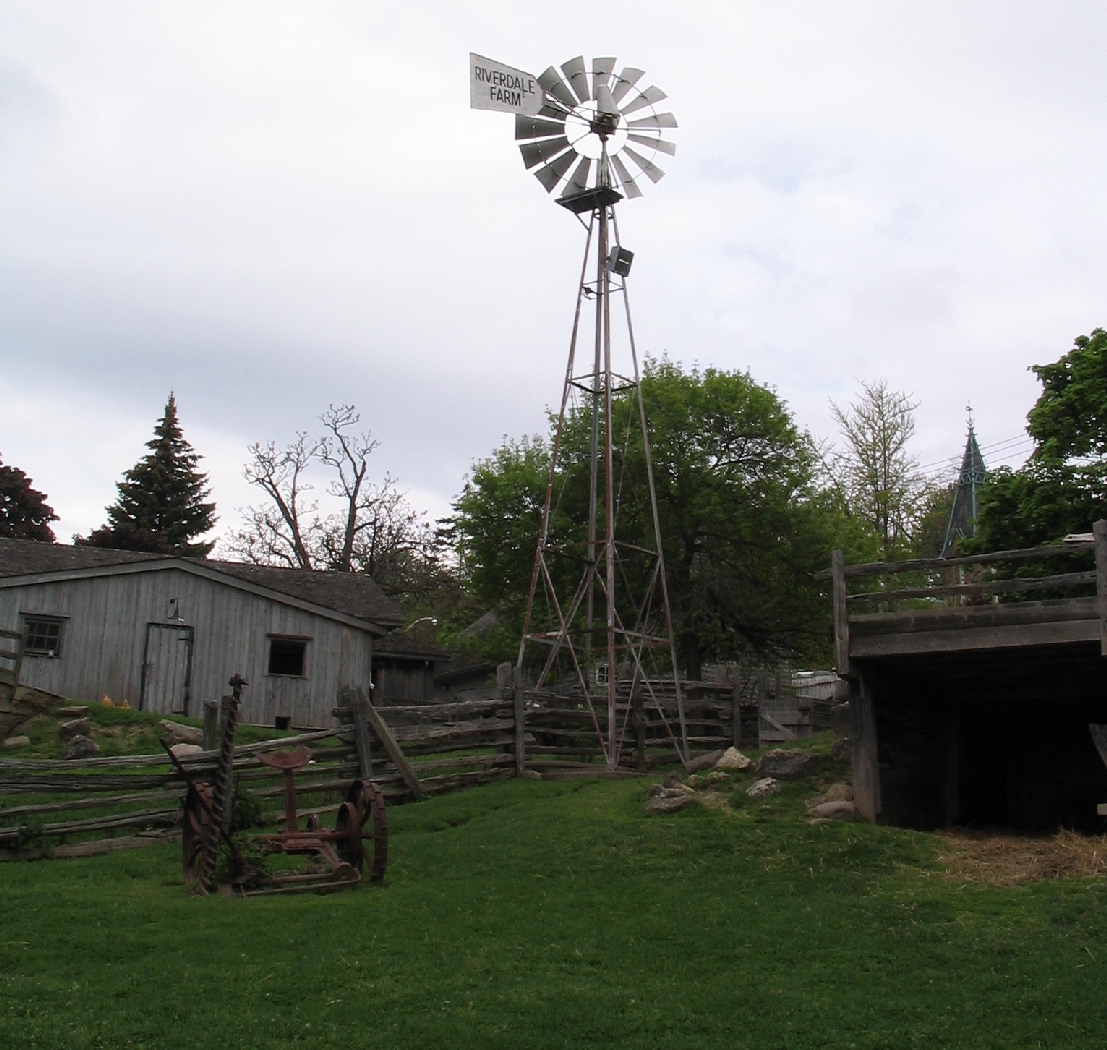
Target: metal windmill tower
(598,608)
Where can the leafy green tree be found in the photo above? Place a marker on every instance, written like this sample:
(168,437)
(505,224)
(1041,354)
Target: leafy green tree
(1063,486)
(162,504)
(743,522)
(24,513)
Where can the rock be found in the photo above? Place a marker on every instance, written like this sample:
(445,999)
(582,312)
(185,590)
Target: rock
(184,750)
(532,774)
(74,711)
(667,803)
(696,781)
(80,746)
(788,765)
(836,810)
(763,788)
(76,727)
(175,733)
(842,750)
(717,775)
(839,792)
(14,742)
(698,765)
(733,759)
(672,780)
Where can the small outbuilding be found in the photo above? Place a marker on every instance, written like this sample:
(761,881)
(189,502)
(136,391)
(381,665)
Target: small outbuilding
(164,633)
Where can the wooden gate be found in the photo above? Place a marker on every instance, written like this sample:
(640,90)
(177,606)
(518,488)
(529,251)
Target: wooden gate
(166,669)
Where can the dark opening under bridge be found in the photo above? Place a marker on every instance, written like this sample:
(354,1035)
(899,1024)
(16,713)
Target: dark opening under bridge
(972,683)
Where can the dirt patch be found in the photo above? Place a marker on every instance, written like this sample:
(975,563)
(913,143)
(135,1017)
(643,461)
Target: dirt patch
(1011,860)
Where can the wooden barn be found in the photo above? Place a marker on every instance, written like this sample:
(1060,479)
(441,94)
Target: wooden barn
(165,633)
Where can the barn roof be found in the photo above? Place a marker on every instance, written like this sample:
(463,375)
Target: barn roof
(349,594)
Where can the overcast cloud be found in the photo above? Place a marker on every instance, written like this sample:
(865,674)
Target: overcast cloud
(269,207)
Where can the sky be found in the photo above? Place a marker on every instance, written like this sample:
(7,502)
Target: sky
(272,207)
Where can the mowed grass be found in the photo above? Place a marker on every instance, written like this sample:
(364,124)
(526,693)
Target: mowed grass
(537,914)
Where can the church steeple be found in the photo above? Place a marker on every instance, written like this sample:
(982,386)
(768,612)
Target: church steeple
(966,496)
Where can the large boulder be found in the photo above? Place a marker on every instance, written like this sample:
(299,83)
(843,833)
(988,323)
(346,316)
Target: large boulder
(666,799)
(763,788)
(80,746)
(733,759)
(74,727)
(836,810)
(698,765)
(175,733)
(186,750)
(788,765)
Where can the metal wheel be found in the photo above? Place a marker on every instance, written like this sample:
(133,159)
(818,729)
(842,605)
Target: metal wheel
(364,803)
(197,815)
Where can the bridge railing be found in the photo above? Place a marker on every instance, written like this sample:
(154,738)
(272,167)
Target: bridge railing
(969,580)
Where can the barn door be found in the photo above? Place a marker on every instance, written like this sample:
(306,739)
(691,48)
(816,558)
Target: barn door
(166,668)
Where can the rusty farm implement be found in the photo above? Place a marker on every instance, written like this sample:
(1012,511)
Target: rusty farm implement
(357,842)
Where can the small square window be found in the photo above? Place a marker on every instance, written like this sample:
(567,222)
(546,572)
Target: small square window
(286,656)
(42,636)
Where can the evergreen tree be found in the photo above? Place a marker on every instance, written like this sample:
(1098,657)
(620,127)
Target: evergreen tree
(161,506)
(24,513)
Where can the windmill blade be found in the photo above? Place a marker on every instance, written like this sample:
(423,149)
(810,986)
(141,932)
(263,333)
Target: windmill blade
(658,144)
(553,172)
(625,81)
(555,86)
(579,182)
(649,97)
(661,120)
(578,79)
(653,172)
(536,128)
(536,152)
(601,73)
(632,190)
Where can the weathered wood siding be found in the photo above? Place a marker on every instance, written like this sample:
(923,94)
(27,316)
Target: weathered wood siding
(104,637)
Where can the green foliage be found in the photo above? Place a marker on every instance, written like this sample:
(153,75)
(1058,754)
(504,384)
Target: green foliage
(554,914)
(743,523)
(1069,420)
(161,506)
(24,513)
(1063,488)
(247,811)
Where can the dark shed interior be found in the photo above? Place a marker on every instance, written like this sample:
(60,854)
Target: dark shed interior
(991,740)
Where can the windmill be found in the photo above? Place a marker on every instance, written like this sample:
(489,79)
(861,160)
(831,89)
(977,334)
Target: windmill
(598,608)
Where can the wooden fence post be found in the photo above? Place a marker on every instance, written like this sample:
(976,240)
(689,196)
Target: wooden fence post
(841,617)
(736,709)
(520,721)
(1099,531)
(639,713)
(384,735)
(866,767)
(210,733)
(361,730)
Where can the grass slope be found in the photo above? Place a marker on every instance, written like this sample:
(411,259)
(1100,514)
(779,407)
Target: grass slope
(536,914)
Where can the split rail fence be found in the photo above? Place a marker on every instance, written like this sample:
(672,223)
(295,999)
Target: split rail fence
(87,806)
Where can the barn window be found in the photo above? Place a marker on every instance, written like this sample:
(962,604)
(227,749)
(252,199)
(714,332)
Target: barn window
(286,656)
(42,635)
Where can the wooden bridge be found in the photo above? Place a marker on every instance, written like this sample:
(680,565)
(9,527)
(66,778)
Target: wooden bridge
(972,683)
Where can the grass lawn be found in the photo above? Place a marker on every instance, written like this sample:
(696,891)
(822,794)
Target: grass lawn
(554,914)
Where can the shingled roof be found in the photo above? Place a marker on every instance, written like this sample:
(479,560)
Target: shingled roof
(351,594)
